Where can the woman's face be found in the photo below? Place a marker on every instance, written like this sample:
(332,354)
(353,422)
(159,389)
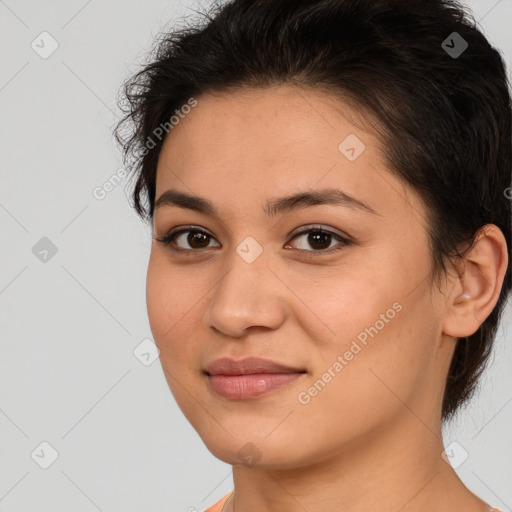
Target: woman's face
(357,321)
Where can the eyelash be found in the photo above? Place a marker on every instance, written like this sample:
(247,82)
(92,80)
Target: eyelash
(172,235)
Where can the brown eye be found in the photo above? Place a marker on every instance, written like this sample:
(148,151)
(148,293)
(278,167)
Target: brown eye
(199,238)
(196,239)
(320,240)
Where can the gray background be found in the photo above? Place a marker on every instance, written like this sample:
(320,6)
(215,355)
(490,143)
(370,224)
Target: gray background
(69,325)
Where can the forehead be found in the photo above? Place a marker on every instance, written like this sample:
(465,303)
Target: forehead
(263,126)
(273,141)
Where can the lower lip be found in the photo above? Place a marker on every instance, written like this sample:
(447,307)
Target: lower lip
(241,387)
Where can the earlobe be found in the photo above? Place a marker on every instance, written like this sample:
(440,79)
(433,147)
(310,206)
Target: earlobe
(481,280)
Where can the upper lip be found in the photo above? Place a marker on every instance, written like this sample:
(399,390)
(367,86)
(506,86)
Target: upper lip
(227,366)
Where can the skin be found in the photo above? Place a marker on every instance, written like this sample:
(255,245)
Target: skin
(371,438)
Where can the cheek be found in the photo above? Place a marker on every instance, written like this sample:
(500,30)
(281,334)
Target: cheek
(385,365)
(371,384)
(343,306)
(381,348)
(172,305)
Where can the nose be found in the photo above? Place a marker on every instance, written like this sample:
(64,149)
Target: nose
(247,295)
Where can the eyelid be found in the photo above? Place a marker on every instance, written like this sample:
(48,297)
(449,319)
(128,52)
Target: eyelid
(342,239)
(320,227)
(178,231)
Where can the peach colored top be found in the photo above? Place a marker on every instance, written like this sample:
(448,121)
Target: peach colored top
(218,506)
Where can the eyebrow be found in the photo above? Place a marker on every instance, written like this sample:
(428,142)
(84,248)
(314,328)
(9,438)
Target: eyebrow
(274,207)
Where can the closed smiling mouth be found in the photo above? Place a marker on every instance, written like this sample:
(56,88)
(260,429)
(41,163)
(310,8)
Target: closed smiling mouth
(249,378)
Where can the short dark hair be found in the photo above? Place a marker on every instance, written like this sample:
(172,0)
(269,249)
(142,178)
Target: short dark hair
(443,111)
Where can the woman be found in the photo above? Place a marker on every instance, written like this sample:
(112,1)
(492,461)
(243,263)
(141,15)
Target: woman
(326,182)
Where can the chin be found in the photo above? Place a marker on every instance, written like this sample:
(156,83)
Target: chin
(256,451)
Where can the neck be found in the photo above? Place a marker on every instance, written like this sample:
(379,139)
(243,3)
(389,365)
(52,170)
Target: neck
(399,469)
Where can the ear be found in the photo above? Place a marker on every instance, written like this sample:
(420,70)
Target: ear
(477,288)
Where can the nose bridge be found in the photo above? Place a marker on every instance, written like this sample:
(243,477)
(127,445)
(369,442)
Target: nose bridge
(246,295)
